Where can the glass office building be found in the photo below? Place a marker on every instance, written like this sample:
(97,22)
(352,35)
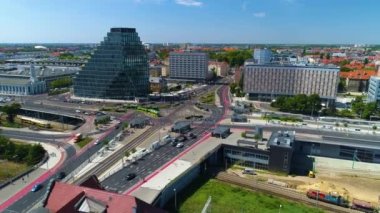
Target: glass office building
(118,69)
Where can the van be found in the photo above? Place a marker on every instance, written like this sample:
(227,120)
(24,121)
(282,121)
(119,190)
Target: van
(249,171)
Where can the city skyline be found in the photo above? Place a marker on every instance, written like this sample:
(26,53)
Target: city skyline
(194,21)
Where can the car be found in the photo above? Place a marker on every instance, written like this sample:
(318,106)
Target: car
(77,111)
(61,175)
(191,135)
(174,143)
(97,142)
(179,145)
(130,176)
(36,187)
(181,138)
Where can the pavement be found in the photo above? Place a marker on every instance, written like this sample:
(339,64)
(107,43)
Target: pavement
(20,187)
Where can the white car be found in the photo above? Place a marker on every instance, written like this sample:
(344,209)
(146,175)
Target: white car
(179,145)
(77,111)
(96,142)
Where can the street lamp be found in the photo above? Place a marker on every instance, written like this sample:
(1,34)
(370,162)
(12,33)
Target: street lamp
(279,209)
(175,199)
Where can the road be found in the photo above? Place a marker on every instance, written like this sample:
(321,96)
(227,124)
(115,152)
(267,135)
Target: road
(31,199)
(153,161)
(26,202)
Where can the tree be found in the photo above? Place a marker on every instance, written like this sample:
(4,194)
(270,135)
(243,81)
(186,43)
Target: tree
(358,106)
(11,111)
(342,85)
(369,110)
(322,55)
(366,61)
(374,127)
(35,154)
(328,56)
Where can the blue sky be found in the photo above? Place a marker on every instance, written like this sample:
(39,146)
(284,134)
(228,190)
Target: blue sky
(210,21)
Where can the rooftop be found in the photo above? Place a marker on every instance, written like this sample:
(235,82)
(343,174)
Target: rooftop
(327,67)
(71,198)
(358,74)
(282,139)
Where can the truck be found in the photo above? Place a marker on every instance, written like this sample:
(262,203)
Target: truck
(332,198)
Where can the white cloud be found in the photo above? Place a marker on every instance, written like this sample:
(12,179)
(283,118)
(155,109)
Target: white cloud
(192,3)
(260,14)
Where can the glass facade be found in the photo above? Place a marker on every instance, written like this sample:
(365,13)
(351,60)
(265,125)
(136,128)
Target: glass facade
(118,68)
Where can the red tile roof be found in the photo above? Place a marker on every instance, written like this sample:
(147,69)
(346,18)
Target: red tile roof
(63,197)
(358,74)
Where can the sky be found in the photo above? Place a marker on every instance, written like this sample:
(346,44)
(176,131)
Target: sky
(194,21)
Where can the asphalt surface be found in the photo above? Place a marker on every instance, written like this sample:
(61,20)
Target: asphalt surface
(151,162)
(29,200)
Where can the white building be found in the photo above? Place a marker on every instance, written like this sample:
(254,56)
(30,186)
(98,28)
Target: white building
(374,88)
(22,85)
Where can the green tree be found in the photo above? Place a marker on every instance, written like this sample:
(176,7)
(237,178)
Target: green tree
(11,111)
(366,61)
(358,106)
(328,56)
(35,154)
(322,55)
(342,85)
(61,82)
(233,88)
(369,110)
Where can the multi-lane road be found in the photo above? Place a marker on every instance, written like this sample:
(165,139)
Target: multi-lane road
(156,159)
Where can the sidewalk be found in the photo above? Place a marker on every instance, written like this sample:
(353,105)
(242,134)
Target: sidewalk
(12,192)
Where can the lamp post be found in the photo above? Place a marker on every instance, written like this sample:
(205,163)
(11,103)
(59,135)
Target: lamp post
(175,199)
(279,209)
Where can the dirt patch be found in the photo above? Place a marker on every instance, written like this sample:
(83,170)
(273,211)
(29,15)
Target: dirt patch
(361,186)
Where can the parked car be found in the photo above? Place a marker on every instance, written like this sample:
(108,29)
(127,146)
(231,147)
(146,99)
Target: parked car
(130,176)
(191,135)
(174,143)
(179,145)
(36,187)
(61,175)
(181,138)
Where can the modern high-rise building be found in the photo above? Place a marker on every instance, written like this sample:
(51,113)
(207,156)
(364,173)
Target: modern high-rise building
(262,56)
(118,68)
(374,88)
(188,66)
(266,82)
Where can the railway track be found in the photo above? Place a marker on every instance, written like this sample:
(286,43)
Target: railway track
(104,165)
(278,191)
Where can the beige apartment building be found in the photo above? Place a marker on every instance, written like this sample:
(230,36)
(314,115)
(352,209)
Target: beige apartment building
(266,82)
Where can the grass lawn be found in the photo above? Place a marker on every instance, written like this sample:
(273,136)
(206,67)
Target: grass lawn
(84,141)
(209,98)
(10,169)
(229,198)
(5,123)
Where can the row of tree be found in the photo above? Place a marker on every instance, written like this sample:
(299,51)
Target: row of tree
(20,153)
(61,82)
(364,110)
(299,104)
(237,90)
(234,57)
